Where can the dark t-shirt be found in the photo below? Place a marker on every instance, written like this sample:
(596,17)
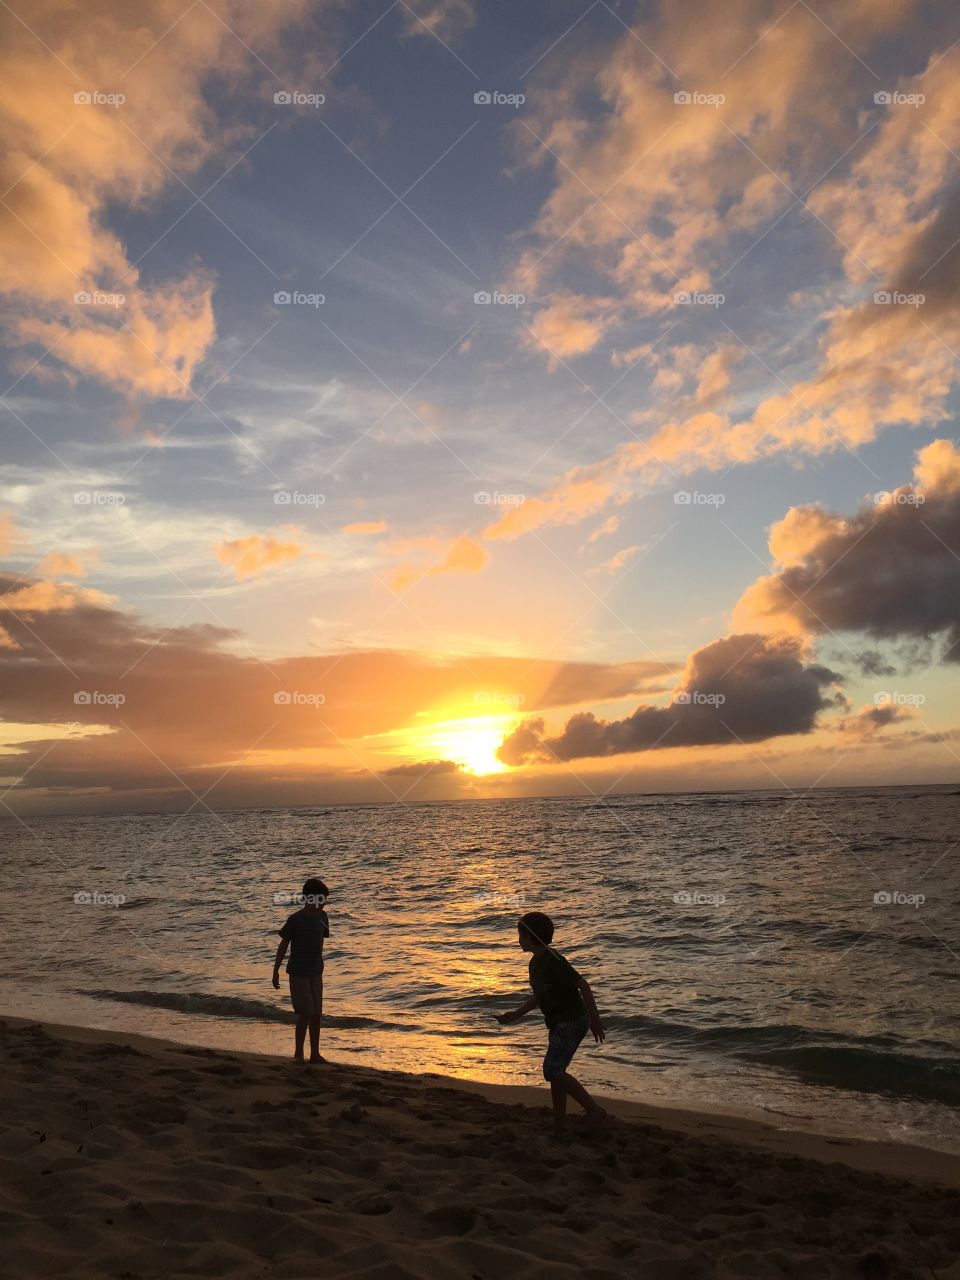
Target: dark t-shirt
(305,931)
(554,982)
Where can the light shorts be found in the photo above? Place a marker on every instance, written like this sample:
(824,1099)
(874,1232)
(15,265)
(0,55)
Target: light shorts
(563,1043)
(306,995)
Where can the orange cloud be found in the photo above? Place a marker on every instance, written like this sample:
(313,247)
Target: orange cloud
(103,103)
(365,527)
(10,535)
(58,564)
(255,554)
(44,597)
(463,555)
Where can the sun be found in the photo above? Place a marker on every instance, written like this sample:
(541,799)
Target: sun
(472,744)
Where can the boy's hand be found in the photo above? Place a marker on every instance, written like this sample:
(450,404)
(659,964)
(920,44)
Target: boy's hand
(507,1017)
(276,979)
(596,1027)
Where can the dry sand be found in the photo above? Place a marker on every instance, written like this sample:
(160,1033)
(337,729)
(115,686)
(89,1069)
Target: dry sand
(126,1157)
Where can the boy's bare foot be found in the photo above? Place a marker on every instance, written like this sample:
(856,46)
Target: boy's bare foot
(319,1058)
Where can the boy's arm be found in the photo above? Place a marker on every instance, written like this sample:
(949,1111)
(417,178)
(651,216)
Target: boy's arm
(596,1026)
(520,1012)
(281,952)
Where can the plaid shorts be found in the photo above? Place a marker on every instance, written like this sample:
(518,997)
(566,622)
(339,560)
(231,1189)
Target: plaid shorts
(563,1043)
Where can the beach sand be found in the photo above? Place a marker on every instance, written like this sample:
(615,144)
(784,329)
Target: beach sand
(133,1158)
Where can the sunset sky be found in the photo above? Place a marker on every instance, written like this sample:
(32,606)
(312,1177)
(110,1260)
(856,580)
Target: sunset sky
(466,398)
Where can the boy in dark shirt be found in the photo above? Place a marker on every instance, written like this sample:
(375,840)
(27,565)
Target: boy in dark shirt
(304,933)
(568,1008)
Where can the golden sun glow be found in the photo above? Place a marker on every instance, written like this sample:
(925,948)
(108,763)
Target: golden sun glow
(470,743)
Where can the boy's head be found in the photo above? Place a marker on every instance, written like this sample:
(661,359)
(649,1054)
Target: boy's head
(534,930)
(315,892)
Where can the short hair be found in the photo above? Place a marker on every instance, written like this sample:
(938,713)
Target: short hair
(315,892)
(538,926)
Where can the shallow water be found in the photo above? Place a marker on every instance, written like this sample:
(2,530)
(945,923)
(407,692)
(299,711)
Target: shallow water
(738,948)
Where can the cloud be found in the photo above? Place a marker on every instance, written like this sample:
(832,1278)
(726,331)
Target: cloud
(446,19)
(74,295)
(891,571)
(422,769)
(679,185)
(59,564)
(255,554)
(462,555)
(618,561)
(741,689)
(364,527)
(10,535)
(195,702)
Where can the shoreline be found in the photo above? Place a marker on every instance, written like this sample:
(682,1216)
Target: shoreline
(892,1159)
(124,1156)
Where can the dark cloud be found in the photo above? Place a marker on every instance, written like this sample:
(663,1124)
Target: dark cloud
(422,769)
(743,688)
(890,571)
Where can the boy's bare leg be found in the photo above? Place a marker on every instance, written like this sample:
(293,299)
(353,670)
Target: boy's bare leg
(558,1093)
(572,1086)
(315,1055)
(301,1035)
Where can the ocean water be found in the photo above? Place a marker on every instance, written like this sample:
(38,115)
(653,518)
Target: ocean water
(793,959)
